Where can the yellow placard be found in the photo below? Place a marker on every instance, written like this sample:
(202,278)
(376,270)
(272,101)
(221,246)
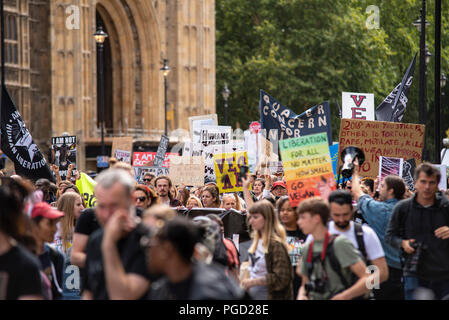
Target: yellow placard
(227,168)
(86,186)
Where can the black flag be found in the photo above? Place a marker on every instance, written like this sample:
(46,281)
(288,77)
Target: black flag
(18,145)
(393,107)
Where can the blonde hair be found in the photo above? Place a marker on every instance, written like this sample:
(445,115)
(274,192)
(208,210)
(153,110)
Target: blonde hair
(272,229)
(238,205)
(66,204)
(198,201)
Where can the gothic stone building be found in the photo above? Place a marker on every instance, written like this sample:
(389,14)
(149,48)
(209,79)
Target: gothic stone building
(51,68)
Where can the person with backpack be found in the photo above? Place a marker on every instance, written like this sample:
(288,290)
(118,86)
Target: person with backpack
(322,279)
(362,237)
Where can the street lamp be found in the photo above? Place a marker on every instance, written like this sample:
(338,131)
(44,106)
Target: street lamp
(421,24)
(428,55)
(226,93)
(165,71)
(417,24)
(100,37)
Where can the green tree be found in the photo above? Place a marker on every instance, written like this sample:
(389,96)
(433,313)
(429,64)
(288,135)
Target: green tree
(304,52)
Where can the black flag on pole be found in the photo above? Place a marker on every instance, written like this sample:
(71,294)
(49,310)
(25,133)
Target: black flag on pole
(393,107)
(18,145)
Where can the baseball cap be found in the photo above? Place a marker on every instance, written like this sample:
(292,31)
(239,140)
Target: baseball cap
(279,183)
(43,209)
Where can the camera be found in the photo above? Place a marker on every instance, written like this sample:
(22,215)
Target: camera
(412,260)
(317,285)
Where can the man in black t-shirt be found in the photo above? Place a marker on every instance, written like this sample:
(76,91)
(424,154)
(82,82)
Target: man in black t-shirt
(115,262)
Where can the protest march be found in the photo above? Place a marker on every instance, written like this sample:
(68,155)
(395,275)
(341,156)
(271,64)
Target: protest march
(303,204)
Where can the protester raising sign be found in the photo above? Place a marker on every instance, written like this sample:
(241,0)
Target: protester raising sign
(282,123)
(380,138)
(307,167)
(227,169)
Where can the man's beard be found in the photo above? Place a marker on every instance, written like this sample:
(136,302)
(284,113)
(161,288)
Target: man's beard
(342,225)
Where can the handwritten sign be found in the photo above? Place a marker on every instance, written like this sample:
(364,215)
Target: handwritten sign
(139,172)
(307,167)
(227,168)
(381,138)
(188,171)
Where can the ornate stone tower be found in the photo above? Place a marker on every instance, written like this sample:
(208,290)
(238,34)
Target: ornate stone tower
(52,69)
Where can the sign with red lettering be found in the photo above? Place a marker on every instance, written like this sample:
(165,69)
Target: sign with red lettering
(381,138)
(357,105)
(141,159)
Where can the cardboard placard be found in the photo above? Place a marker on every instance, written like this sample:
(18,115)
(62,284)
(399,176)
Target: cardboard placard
(122,155)
(188,171)
(307,167)
(381,138)
(357,106)
(63,153)
(122,143)
(227,168)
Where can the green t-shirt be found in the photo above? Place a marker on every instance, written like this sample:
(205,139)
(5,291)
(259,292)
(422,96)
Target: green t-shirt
(346,254)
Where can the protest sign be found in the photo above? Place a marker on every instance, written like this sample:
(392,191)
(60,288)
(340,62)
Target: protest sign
(86,186)
(192,149)
(333,150)
(408,170)
(63,153)
(197,122)
(139,172)
(188,171)
(307,167)
(209,151)
(122,155)
(380,138)
(141,159)
(275,167)
(214,135)
(282,123)
(357,105)
(161,150)
(122,143)
(442,184)
(227,169)
(389,165)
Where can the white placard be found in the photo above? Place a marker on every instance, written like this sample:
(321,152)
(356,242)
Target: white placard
(357,106)
(198,121)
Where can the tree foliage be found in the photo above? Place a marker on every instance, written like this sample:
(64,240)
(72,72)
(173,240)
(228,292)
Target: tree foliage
(304,52)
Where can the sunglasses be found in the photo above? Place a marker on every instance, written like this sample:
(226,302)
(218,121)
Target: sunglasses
(145,180)
(141,199)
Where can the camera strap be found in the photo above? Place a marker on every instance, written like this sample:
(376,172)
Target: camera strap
(323,256)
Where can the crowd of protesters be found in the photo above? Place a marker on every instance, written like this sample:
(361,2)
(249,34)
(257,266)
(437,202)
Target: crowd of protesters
(363,241)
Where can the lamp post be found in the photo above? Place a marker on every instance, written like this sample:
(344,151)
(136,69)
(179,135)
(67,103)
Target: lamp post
(443,81)
(226,93)
(437,80)
(420,24)
(100,36)
(165,71)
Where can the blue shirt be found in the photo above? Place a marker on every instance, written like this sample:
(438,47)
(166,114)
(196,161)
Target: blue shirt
(377,214)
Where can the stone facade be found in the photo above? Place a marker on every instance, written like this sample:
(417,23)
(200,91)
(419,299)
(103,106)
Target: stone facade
(53,79)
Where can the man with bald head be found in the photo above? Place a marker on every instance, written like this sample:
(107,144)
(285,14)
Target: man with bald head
(115,262)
